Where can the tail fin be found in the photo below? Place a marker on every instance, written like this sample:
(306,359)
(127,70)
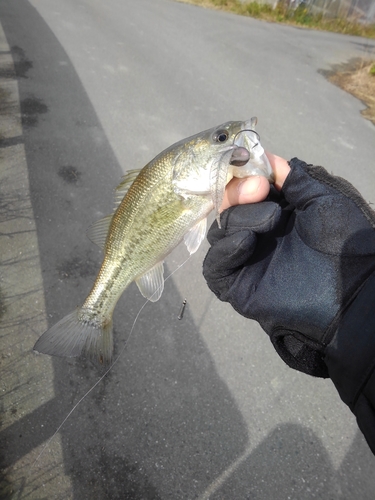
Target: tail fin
(72,337)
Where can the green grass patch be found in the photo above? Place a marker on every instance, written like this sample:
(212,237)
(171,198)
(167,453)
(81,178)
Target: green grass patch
(282,14)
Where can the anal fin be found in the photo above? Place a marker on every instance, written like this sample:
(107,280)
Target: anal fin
(151,283)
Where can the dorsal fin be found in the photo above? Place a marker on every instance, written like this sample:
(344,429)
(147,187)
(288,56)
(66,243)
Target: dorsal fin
(126,181)
(98,231)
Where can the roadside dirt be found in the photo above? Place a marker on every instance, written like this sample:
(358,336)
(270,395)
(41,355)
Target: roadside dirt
(355,78)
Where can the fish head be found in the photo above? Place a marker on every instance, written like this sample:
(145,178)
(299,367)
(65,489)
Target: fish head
(257,163)
(208,159)
(206,162)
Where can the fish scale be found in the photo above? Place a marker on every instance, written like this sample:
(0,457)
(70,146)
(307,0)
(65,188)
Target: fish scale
(166,202)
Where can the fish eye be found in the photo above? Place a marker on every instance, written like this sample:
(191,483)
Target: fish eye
(221,136)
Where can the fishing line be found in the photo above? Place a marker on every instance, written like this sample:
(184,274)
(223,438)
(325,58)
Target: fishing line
(247,130)
(106,372)
(125,345)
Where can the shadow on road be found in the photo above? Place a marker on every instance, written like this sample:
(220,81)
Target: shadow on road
(162,424)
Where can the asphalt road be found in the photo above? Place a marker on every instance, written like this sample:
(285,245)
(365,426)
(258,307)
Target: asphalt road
(198,408)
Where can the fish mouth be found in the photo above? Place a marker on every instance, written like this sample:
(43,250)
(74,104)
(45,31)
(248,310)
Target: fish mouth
(240,156)
(247,137)
(248,140)
(244,140)
(247,159)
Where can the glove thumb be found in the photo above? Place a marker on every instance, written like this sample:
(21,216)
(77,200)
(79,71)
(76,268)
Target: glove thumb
(233,244)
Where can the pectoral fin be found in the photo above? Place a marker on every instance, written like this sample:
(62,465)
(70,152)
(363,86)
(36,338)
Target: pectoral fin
(151,283)
(195,236)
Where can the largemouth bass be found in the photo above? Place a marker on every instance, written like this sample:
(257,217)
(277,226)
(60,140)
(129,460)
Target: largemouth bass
(156,208)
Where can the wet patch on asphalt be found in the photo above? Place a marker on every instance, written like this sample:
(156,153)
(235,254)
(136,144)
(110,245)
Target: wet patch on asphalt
(6,488)
(77,267)
(31,108)
(8,107)
(7,71)
(117,479)
(20,61)
(5,142)
(70,174)
(18,67)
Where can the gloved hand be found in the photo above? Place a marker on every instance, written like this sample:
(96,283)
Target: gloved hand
(297,263)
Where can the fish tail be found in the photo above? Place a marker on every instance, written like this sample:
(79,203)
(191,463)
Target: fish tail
(72,337)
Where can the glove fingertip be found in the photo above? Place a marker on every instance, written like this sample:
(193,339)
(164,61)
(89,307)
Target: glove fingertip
(258,217)
(229,253)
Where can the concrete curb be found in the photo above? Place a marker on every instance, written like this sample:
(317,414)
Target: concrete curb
(27,379)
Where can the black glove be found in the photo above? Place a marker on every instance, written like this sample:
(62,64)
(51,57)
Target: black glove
(296,263)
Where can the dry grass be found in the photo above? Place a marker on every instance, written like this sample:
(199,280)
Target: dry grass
(358,79)
(281,13)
